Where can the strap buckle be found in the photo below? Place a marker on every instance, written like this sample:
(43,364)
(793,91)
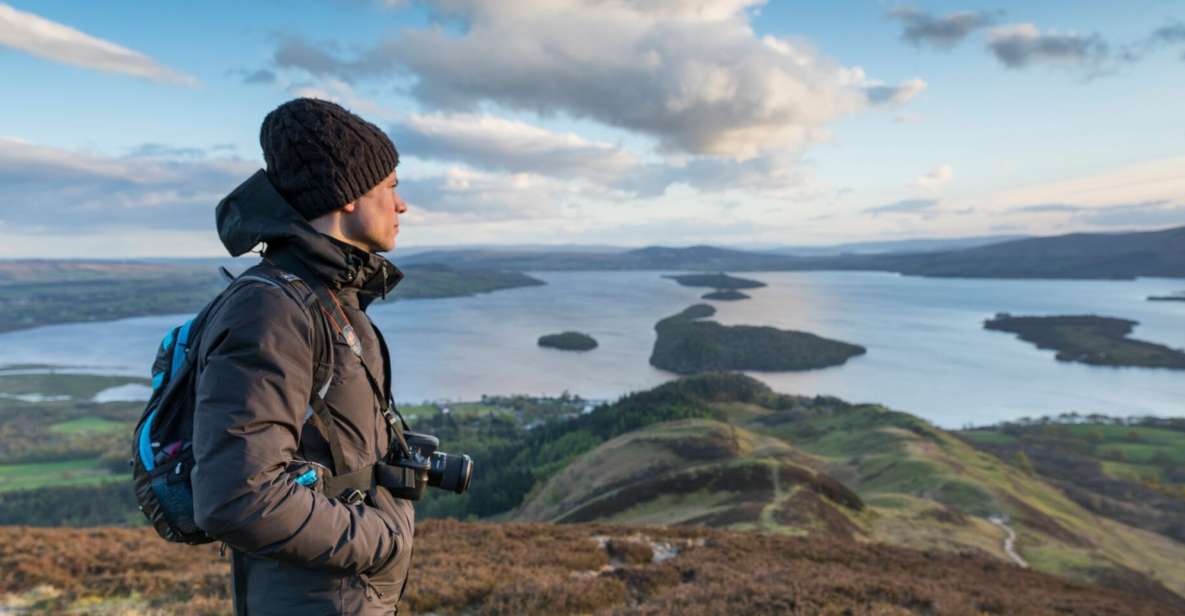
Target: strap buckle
(353,497)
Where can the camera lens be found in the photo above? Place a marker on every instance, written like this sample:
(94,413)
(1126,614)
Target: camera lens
(450,472)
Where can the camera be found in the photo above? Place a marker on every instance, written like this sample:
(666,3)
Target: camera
(406,476)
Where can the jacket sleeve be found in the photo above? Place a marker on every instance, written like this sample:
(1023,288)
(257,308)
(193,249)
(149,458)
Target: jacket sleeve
(252,394)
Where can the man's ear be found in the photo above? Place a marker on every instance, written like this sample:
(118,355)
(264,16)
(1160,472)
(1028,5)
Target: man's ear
(349,207)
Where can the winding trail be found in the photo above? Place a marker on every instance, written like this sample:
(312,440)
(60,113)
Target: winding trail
(1009,541)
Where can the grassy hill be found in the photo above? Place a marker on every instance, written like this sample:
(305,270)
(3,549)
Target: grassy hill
(526,569)
(920,486)
(695,471)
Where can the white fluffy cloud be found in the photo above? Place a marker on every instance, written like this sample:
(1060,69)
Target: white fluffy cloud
(498,144)
(47,39)
(693,76)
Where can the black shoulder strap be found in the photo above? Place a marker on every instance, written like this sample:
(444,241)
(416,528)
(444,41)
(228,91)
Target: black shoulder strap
(318,412)
(387,372)
(336,317)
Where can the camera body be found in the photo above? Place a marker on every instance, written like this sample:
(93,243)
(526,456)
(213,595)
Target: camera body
(406,476)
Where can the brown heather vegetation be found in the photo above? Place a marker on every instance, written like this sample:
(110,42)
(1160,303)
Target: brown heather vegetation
(486,568)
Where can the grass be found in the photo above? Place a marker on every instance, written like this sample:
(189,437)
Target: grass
(88,425)
(529,569)
(77,386)
(84,472)
(989,437)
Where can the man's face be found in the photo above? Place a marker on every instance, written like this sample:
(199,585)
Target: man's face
(372,220)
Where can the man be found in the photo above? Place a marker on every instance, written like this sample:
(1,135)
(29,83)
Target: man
(325,207)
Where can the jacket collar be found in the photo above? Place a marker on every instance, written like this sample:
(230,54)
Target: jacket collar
(255,212)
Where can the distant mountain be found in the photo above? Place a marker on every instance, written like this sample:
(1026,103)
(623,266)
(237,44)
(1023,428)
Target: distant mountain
(893,246)
(1077,255)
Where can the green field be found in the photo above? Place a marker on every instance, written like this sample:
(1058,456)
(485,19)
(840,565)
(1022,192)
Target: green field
(14,477)
(77,386)
(89,425)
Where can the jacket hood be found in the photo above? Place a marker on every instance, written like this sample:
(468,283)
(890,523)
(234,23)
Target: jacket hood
(255,212)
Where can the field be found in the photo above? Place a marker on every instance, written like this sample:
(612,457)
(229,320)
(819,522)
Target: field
(524,569)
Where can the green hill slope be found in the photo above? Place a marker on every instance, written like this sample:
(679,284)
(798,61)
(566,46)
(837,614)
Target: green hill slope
(923,487)
(696,472)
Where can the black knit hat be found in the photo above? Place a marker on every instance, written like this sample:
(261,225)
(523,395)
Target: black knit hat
(320,156)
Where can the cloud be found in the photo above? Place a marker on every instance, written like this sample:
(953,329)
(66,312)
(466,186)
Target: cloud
(1147,214)
(907,206)
(1048,208)
(261,76)
(50,40)
(463,195)
(321,60)
(896,95)
(694,76)
(1168,35)
(945,32)
(49,189)
(1020,45)
(491,143)
(498,144)
(935,179)
(1155,212)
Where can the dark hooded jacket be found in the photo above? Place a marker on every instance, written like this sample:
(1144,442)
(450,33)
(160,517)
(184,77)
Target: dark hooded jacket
(298,551)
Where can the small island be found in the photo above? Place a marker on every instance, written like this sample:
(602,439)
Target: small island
(687,345)
(716,281)
(1179,296)
(1089,339)
(724,294)
(568,341)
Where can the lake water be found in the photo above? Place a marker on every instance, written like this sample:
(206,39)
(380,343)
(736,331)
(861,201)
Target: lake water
(927,351)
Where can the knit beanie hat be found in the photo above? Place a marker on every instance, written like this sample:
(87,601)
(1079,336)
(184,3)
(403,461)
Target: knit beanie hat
(320,156)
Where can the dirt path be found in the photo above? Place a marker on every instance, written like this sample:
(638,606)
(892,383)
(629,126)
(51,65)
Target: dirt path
(1009,540)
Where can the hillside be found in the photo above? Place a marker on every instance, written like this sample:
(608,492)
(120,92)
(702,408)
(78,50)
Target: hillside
(719,450)
(696,472)
(526,569)
(1077,255)
(34,293)
(920,486)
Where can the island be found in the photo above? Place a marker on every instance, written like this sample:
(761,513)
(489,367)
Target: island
(1175,297)
(568,341)
(1089,339)
(725,294)
(34,293)
(716,281)
(687,345)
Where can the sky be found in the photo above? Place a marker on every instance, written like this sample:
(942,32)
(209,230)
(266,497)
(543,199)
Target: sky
(741,123)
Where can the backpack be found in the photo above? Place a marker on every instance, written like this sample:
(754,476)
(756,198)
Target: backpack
(162,447)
